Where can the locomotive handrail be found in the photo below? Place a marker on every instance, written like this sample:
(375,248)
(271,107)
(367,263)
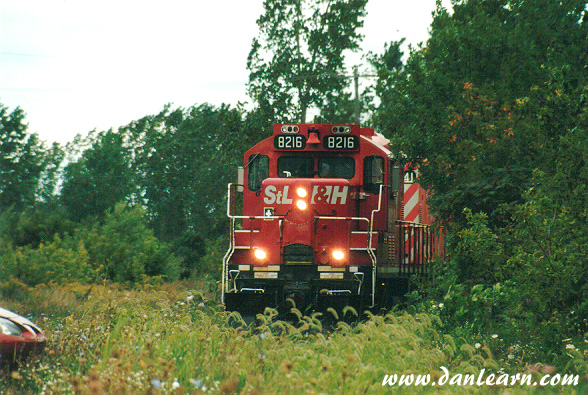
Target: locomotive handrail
(231,249)
(232,241)
(345,218)
(413,224)
(370,251)
(419,246)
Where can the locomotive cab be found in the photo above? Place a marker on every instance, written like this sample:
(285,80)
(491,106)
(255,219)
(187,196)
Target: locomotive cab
(315,221)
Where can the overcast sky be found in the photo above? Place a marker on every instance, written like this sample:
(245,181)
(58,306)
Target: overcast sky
(78,65)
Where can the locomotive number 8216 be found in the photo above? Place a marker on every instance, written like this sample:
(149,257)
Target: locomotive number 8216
(341,142)
(287,141)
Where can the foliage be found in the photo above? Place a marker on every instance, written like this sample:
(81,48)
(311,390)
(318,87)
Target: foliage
(389,67)
(489,151)
(484,102)
(173,164)
(471,284)
(181,157)
(33,226)
(50,180)
(493,110)
(100,178)
(215,250)
(35,247)
(23,161)
(171,339)
(550,238)
(297,60)
(528,281)
(477,253)
(58,261)
(122,249)
(190,247)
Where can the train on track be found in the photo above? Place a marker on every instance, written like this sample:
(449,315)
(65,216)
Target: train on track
(324,216)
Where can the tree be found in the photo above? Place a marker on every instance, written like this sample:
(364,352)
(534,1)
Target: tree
(124,249)
(51,177)
(101,178)
(481,105)
(33,226)
(389,67)
(493,108)
(297,61)
(185,159)
(22,160)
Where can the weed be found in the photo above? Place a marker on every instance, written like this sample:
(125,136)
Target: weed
(171,339)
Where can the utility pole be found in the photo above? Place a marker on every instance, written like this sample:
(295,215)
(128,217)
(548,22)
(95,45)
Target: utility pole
(356,76)
(356,85)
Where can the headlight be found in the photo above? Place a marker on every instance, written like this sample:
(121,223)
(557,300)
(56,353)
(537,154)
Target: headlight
(260,254)
(301,192)
(338,255)
(301,204)
(8,327)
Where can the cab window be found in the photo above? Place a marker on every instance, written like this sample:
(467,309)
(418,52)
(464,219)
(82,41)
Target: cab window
(295,167)
(373,173)
(340,167)
(258,171)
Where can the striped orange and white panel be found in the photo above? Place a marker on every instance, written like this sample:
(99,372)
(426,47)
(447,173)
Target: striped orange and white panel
(411,203)
(411,197)
(411,211)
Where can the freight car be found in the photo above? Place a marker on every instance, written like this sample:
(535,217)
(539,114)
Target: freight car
(317,220)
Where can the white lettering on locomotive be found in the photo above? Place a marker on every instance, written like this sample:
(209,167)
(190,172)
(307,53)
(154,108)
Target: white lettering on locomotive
(328,194)
(272,195)
(339,195)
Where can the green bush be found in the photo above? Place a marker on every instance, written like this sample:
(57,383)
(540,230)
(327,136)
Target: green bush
(60,261)
(122,249)
(211,263)
(527,280)
(477,253)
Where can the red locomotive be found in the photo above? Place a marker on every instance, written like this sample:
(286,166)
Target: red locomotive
(320,222)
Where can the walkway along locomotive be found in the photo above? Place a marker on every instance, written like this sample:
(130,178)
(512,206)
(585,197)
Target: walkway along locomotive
(317,221)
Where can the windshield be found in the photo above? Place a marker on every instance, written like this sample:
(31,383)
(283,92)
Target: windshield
(343,167)
(304,167)
(296,167)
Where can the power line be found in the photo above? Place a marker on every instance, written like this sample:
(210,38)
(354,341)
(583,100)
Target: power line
(356,75)
(110,88)
(32,55)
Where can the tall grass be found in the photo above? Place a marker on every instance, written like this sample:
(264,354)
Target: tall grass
(175,340)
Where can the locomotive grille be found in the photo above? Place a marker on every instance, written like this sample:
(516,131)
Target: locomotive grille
(391,247)
(298,254)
